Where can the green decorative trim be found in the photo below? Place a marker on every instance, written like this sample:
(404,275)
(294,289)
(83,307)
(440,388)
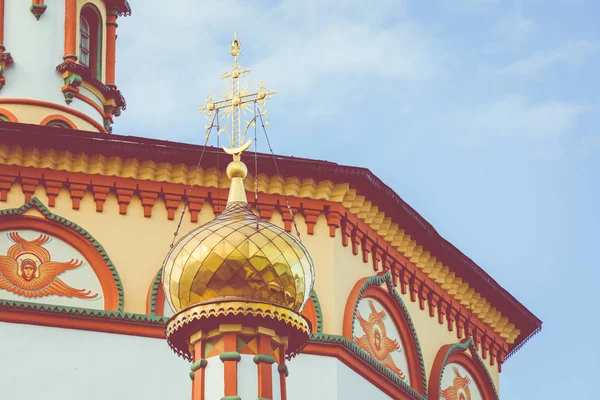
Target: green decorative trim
(70,56)
(230,356)
(35,203)
(154,291)
(231,398)
(263,359)
(338,340)
(202,363)
(386,279)
(318,311)
(70,89)
(85,312)
(37,10)
(283,369)
(469,344)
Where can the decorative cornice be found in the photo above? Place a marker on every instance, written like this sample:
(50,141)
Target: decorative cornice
(386,278)
(337,340)
(86,312)
(36,204)
(498,309)
(85,73)
(199,317)
(121,6)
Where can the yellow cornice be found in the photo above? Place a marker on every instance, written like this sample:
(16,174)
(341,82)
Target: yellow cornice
(303,188)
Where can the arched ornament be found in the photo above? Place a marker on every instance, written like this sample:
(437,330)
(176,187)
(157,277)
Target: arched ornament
(378,304)
(458,373)
(48,226)
(156,304)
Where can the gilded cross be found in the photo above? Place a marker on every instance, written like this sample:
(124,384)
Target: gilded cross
(238,100)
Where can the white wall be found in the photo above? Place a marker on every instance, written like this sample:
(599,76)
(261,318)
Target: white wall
(37,48)
(64,364)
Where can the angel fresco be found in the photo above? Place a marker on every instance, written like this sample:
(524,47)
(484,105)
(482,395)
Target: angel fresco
(27,270)
(375,341)
(459,389)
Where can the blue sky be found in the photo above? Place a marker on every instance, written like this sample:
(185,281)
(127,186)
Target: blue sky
(482,114)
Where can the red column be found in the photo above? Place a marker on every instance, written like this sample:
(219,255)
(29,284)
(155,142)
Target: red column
(111,46)
(265,369)
(230,358)
(198,383)
(70,30)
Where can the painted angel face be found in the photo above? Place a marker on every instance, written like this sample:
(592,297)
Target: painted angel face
(28,270)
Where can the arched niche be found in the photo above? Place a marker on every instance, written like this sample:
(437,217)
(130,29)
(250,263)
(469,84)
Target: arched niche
(157,305)
(48,259)
(458,373)
(377,321)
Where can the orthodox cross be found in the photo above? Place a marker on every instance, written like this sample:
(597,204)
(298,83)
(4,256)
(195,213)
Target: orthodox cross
(236,102)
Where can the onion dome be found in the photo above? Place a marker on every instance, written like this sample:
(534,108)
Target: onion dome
(238,257)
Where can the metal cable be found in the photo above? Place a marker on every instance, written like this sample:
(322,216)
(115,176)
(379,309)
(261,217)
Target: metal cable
(287,200)
(186,195)
(256,171)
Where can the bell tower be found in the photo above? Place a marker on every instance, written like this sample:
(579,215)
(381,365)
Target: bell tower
(57,63)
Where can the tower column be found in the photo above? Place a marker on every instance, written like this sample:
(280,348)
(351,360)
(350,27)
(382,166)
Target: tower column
(111,45)
(70,30)
(239,348)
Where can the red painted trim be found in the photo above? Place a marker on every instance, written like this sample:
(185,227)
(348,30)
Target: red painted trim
(58,117)
(400,321)
(358,366)
(55,106)
(3,111)
(109,287)
(310,313)
(92,103)
(485,386)
(80,322)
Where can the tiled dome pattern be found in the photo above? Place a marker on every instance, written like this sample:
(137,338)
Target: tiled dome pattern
(238,255)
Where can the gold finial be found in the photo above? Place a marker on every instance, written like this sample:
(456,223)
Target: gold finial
(236,103)
(235,46)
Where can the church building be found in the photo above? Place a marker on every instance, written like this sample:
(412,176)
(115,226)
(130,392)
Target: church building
(134,268)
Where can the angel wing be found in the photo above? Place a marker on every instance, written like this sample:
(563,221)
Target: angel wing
(363,343)
(449,393)
(389,363)
(375,315)
(364,324)
(8,272)
(33,246)
(390,345)
(48,283)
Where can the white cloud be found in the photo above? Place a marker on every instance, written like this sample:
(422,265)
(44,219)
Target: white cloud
(321,53)
(516,117)
(571,53)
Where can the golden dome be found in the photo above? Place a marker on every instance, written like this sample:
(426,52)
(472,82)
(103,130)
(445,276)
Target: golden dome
(238,256)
